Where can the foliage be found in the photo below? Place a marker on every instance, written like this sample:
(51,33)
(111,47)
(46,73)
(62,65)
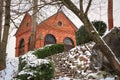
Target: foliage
(21,64)
(100,27)
(37,70)
(26,59)
(82,35)
(49,50)
(31,68)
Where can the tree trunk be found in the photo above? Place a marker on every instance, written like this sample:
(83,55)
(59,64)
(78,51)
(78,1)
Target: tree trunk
(33,31)
(103,46)
(1,11)
(110,14)
(92,32)
(5,35)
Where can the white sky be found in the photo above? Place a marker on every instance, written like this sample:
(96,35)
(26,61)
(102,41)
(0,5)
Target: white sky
(94,15)
(116,12)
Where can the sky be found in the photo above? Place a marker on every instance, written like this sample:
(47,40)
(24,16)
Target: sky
(116,12)
(99,13)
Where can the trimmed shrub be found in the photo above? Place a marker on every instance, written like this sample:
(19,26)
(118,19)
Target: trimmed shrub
(21,64)
(49,50)
(39,69)
(100,27)
(26,59)
(82,35)
(32,68)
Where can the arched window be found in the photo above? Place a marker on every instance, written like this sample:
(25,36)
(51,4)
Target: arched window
(21,47)
(50,39)
(68,43)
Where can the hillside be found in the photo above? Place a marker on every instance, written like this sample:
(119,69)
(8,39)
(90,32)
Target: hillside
(73,64)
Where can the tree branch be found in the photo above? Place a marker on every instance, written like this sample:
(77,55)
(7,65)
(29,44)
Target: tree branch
(88,7)
(89,28)
(81,6)
(14,23)
(71,6)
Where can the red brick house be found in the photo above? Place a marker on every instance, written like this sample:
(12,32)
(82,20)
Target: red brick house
(56,29)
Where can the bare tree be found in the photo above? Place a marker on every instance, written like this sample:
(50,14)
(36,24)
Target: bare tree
(4,30)
(82,14)
(5,35)
(1,11)
(33,31)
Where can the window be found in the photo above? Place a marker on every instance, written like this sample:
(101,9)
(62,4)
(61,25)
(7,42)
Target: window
(21,47)
(68,43)
(59,23)
(50,39)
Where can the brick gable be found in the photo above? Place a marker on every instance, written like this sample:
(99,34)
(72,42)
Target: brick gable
(57,25)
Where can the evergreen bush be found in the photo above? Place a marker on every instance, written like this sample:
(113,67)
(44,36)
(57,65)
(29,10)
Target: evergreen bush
(21,64)
(26,59)
(49,50)
(39,69)
(32,68)
(100,27)
(82,35)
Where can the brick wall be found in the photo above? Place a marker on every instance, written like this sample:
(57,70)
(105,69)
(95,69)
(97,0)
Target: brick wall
(57,25)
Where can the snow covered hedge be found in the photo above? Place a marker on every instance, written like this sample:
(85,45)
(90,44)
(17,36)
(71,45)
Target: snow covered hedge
(31,68)
(49,50)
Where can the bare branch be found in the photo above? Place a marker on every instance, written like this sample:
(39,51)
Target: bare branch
(81,6)
(88,7)
(71,6)
(14,23)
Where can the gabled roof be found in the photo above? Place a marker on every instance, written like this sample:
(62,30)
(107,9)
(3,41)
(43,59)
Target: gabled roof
(69,19)
(56,14)
(59,12)
(26,15)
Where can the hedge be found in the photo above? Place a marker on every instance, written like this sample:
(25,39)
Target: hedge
(32,68)
(49,50)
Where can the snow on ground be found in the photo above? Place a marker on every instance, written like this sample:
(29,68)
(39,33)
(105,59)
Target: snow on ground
(12,65)
(75,65)
(10,70)
(66,78)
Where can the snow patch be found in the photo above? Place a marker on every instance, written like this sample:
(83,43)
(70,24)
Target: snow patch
(11,69)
